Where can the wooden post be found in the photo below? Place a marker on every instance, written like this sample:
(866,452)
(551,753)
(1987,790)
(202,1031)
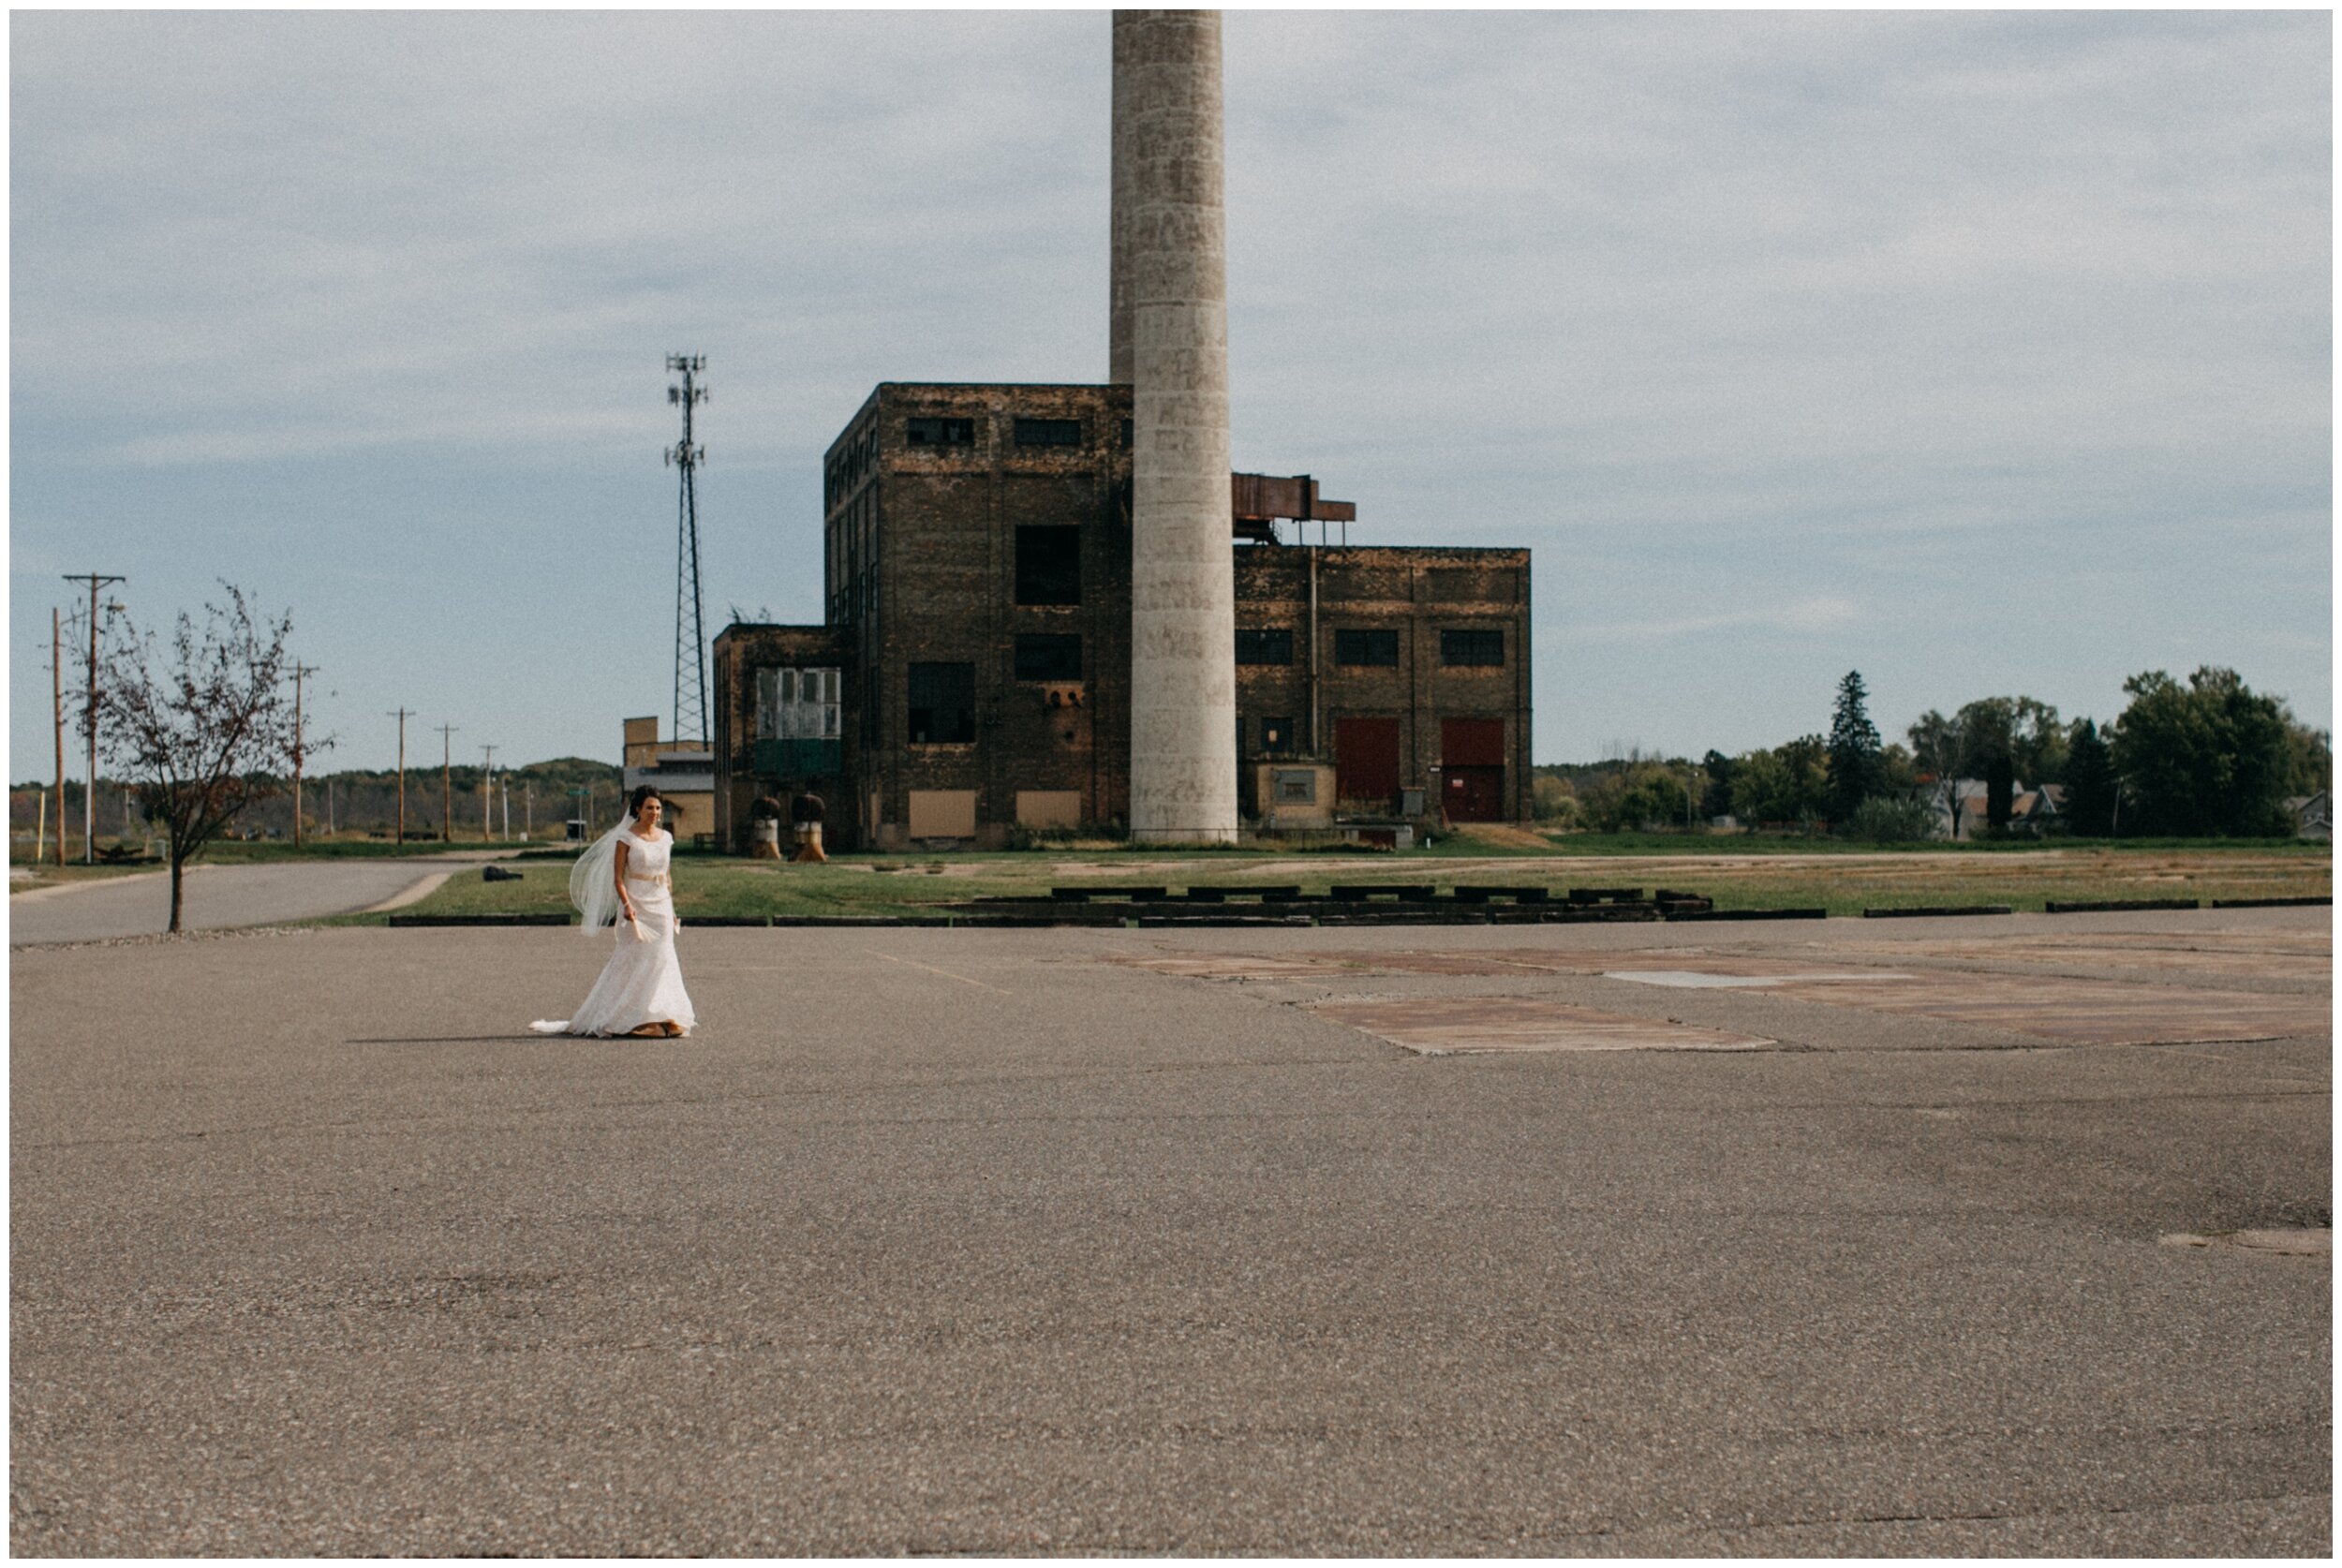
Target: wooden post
(57,683)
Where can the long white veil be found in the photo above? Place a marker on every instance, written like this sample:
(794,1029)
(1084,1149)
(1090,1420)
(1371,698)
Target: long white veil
(593,881)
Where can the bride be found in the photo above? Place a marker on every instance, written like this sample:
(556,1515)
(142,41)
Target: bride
(624,874)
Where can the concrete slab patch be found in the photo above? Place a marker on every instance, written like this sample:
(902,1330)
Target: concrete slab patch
(1236,965)
(1702,980)
(1444,1025)
(2078,1011)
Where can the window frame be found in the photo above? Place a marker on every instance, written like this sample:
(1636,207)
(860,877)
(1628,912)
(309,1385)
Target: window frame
(1371,638)
(913,709)
(1454,641)
(1274,635)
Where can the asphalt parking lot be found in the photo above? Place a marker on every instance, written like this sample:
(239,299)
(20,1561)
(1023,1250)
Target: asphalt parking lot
(1877,1238)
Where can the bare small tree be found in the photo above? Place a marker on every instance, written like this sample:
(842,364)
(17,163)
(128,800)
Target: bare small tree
(205,733)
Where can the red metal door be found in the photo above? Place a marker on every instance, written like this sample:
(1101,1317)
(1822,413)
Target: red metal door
(1476,794)
(1366,761)
(1472,761)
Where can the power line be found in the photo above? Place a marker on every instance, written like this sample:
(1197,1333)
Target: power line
(691,657)
(488,789)
(403,715)
(447,794)
(298,670)
(89,794)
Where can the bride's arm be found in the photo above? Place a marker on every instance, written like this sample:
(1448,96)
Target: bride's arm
(617,864)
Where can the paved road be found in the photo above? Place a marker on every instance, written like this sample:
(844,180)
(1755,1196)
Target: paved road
(999,1242)
(215,898)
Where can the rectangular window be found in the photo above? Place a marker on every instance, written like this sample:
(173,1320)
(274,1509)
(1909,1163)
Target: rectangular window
(1129,433)
(1276,736)
(1050,564)
(1048,433)
(1472,647)
(1264,646)
(1296,787)
(934,431)
(797,704)
(1048,657)
(942,703)
(1371,649)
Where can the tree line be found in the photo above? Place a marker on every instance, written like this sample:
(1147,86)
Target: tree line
(2203,757)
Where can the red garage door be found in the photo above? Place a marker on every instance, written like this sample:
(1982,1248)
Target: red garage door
(1472,769)
(1366,759)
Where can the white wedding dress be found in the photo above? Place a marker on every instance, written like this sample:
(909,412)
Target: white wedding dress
(642,983)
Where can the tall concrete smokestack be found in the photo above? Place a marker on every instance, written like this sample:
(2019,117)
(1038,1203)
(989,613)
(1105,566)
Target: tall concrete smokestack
(1169,337)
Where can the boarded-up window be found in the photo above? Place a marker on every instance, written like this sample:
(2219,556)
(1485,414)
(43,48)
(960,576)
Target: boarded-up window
(1366,759)
(1366,647)
(1049,809)
(1048,564)
(942,703)
(797,704)
(943,813)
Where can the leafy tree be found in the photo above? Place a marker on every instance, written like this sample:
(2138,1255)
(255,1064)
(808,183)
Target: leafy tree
(2089,782)
(2210,757)
(1716,799)
(2310,752)
(2022,732)
(2000,791)
(202,733)
(1857,766)
(1787,784)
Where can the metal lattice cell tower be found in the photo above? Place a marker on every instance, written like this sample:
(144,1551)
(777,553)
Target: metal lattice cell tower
(691,647)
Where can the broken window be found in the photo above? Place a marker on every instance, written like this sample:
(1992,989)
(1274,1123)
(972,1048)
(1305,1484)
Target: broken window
(925,431)
(1472,647)
(1264,646)
(1048,433)
(1367,648)
(797,704)
(1048,564)
(1048,657)
(942,703)
(1276,736)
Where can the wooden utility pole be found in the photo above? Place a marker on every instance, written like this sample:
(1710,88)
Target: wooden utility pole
(298,670)
(95,580)
(487,791)
(446,791)
(56,703)
(402,716)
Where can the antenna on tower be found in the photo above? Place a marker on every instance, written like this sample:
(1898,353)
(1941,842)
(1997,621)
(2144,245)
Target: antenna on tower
(691,656)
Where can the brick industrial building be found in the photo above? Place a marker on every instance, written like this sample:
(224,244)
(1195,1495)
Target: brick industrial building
(973,672)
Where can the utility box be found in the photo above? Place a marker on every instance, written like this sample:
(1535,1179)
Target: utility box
(1294,796)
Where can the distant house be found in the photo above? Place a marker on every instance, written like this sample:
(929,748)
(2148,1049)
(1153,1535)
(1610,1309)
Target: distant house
(2030,810)
(682,771)
(2038,810)
(2312,815)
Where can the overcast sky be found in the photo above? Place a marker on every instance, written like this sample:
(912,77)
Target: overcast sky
(1983,353)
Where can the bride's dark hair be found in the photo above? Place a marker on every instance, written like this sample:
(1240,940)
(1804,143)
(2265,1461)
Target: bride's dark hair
(642,792)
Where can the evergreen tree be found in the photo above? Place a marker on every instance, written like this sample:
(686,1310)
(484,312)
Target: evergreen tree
(2089,783)
(1857,767)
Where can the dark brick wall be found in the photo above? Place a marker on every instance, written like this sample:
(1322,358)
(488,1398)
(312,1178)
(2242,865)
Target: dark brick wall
(1416,593)
(740,651)
(920,565)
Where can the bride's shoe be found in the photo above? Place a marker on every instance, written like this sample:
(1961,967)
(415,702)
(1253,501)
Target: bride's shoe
(649,1031)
